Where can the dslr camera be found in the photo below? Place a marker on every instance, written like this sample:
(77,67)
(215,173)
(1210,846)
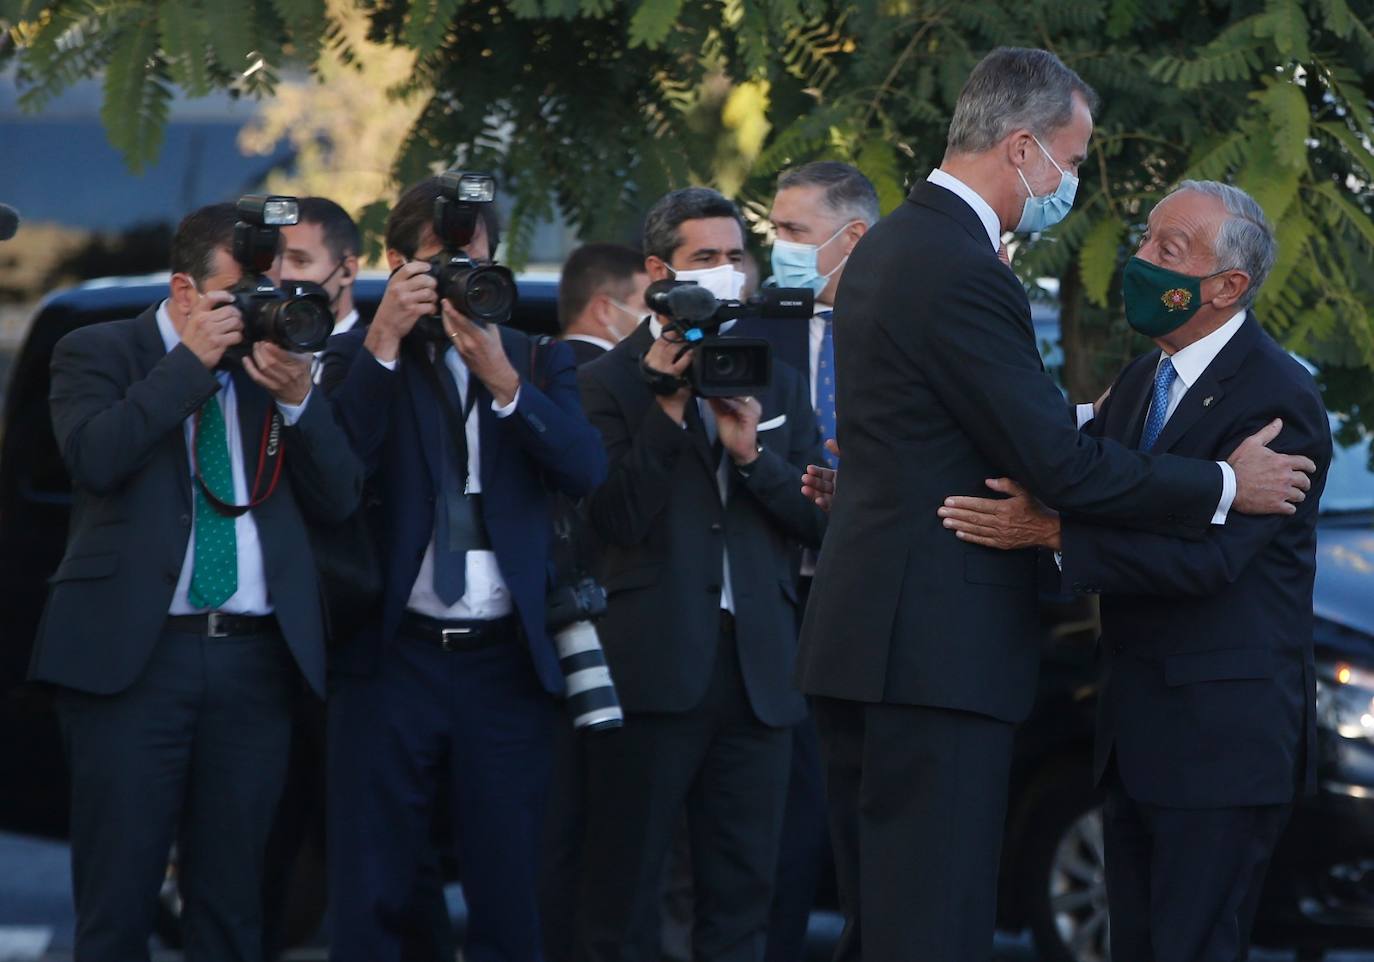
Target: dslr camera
(482,291)
(723,366)
(297,316)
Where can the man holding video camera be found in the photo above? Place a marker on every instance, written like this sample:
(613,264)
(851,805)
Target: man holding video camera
(185,614)
(699,515)
(460,422)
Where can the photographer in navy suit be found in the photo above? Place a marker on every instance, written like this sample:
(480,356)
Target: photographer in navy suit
(1206,717)
(455,678)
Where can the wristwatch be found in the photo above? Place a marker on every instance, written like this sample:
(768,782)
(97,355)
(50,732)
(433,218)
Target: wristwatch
(745,470)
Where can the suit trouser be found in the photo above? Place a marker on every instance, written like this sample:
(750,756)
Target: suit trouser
(1183,884)
(562,857)
(804,849)
(918,799)
(479,721)
(194,752)
(729,770)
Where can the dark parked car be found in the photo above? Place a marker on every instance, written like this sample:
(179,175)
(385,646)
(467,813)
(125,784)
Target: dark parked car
(1320,893)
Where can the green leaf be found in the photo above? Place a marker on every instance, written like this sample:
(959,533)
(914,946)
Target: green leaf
(1341,211)
(1286,22)
(1122,15)
(428,23)
(134,111)
(1272,184)
(307,23)
(652,20)
(231,36)
(1337,18)
(1293,233)
(1098,257)
(185,40)
(879,163)
(1359,150)
(1289,119)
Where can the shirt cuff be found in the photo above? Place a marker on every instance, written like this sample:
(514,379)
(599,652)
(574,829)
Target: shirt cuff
(291,413)
(389,365)
(1228,493)
(1085,414)
(509,409)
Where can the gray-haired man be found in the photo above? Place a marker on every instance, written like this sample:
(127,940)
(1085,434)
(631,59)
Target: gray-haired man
(1205,721)
(920,650)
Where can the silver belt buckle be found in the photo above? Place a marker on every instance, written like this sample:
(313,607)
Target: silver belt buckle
(214,625)
(449,637)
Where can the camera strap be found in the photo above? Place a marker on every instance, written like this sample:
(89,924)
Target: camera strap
(270,450)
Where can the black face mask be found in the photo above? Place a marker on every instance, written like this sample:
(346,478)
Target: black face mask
(334,298)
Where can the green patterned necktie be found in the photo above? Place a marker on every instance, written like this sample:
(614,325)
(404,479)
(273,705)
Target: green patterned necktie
(215,571)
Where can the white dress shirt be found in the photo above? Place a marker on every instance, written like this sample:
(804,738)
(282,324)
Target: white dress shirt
(343,324)
(252,596)
(708,418)
(817,337)
(485,595)
(993,226)
(1189,363)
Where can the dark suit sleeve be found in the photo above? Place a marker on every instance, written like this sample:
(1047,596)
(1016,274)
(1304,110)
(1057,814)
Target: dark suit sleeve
(1121,561)
(775,480)
(362,393)
(641,462)
(106,428)
(326,475)
(983,365)
(550,426)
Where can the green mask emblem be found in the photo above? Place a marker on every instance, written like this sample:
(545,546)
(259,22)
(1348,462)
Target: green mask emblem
(1159,301)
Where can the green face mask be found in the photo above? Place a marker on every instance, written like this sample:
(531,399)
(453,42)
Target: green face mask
(1159,301)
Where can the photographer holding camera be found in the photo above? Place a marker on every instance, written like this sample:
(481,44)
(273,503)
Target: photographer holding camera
(699,515)
(454,677)
(185,614)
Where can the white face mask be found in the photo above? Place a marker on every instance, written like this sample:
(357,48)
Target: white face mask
(635,317)
(725,282)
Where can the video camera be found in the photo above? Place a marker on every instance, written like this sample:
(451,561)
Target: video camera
(724,366)
(297,316)
(484,292)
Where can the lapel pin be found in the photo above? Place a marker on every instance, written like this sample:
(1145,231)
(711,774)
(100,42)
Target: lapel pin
(1207,401)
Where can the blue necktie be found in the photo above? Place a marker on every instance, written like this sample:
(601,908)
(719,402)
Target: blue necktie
(825,384)
(1159,404)
(450,561)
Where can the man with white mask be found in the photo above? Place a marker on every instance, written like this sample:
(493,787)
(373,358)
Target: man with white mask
(600,298)
(700,518)
(919,650)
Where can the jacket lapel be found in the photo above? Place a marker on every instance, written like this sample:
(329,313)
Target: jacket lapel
(150,350)
(1202,397)
(1138,393)
(425,408)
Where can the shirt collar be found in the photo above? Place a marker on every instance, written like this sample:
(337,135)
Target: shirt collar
(170,337)
(655,328)
(991,223)
(346,323)
(1191,361)
(592,339)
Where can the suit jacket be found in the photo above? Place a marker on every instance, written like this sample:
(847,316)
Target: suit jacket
(1207,697)
(940,387)
(665,531)
(584,352)
(119,400)
(393,421)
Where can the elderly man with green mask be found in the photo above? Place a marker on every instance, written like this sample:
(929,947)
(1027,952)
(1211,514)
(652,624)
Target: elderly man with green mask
(1206,713)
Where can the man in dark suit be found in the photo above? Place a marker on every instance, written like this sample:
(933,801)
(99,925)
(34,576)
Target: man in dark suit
(819,213)
(179,626)
(920,651)
(600,298)
(1206,718)
(700,515)
(455,678)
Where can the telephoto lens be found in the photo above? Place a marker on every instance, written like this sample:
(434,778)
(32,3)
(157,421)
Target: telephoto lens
(483,292)
(591,697)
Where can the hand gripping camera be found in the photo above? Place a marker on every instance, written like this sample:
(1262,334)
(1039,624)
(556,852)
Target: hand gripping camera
(296,317)
(724,366)
(484,292)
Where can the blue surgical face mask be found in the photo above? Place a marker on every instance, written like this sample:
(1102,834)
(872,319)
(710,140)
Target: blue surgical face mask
(794,264)
(1041,213)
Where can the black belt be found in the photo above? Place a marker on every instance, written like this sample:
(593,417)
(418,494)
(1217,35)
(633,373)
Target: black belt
(218,624)
(457,635)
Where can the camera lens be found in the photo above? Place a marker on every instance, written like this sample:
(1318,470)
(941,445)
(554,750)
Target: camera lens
(723,365)
(489,294)
(304,324)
